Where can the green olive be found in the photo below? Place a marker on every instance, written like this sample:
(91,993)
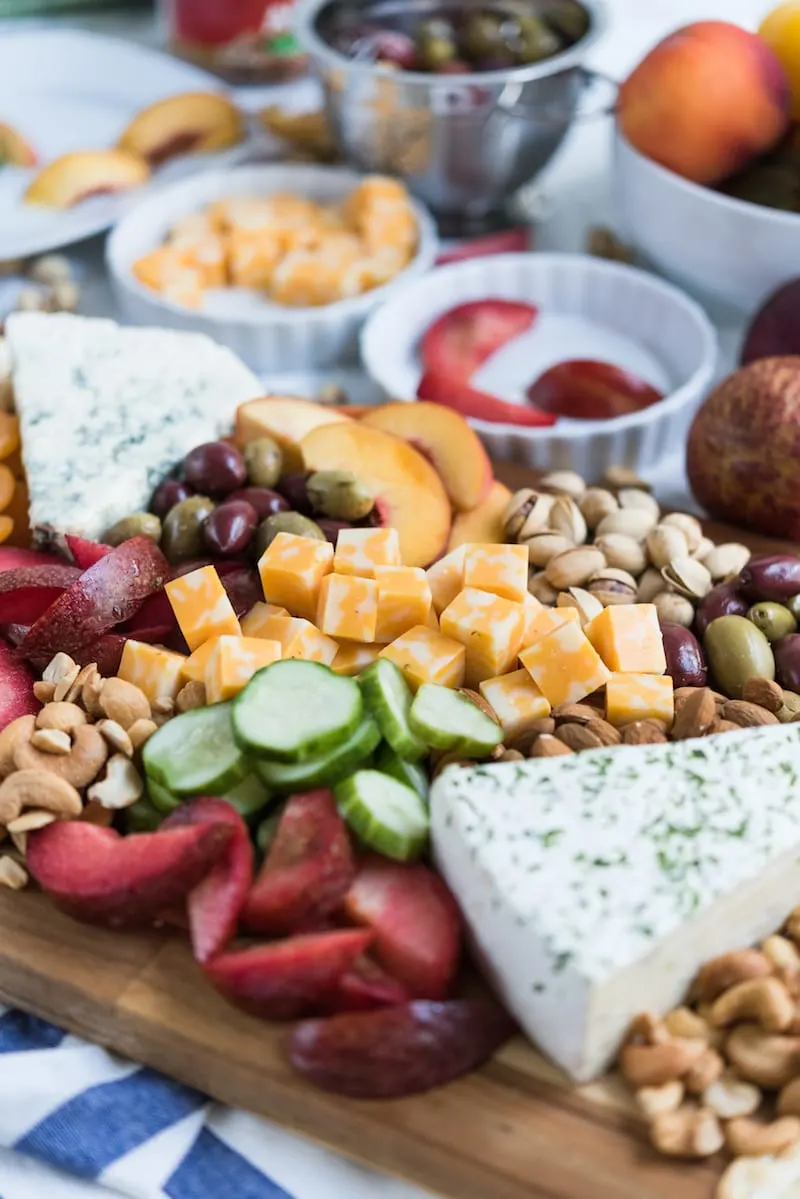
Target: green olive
(284,522)
(793,605)
(436,44)
(775,620)
(264,461)
(339,494)
(737,651)
(138,524)
(568,18)
(482,37)
(182,535)
(537,40)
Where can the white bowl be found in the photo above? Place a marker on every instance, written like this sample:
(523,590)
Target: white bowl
(589,308)
(268,337)
(726,252)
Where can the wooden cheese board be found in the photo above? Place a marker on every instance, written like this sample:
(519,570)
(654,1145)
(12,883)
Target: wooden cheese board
(515,1130)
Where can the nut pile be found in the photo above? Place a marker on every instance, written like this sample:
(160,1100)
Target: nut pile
(594,546)
(77,759)
(723,1071)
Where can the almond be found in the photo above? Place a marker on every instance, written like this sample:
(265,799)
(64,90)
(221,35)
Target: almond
(606,732)
(548,746)
(747,715)
(643,732)
(765,693)
(574,713)
(578,737)
(695,715)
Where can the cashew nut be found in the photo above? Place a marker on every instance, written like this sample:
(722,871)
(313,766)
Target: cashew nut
(90,690)
(659,1101)
(79,767)
(750,1138)
(58,668)
(756,1176)
(653,1065)
(649,1029)
(51,741)
(163,709)
(14,734)
(28,821)
(729,1097)
(116,737)
(12,875)
(706,1070)
(40,789)
(765,1001)
(44,692)
(783,953)
(123,702)
(121,787)
(193,695)
(683,1022)
(688,1132)
(95,813)
(725,971)
(767,1059)
(141,731)
(792,926)
(63,717)
(65,688)
(789,1099)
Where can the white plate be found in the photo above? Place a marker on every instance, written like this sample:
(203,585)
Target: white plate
(66,90)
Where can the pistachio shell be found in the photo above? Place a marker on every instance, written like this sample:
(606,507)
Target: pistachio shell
(544,546)
(613,586)
(595,504)
(674,609)
(642,501)
(689,525)
(617,477)
(587,605)
(688,577)
(631,522)
(566,518)
(664,543)
(703,549)
(564,482)
(623,552)
(517,511)
(651,584)
(574,567)
(725,561)
(541,590)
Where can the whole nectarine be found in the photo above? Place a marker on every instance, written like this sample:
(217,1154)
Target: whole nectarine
(743,453)
(706,102)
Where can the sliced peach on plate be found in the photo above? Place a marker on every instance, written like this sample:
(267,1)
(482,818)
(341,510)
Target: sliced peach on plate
(15,151)
(71,178)
(409,495)
(191,123)
(287,420)
(485,523)
(447,441)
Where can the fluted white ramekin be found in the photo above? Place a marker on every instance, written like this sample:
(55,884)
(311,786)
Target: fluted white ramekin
(627,302)
(268,338)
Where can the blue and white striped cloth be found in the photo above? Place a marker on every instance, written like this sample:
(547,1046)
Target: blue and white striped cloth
(76,1121)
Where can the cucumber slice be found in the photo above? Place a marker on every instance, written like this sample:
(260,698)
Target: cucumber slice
(142,817)
(265,833)
(447,720)
(295,710)
(388,697)
(248,797)
(387,815)
(325,769)
(195,753)
(410,773)
(162,799)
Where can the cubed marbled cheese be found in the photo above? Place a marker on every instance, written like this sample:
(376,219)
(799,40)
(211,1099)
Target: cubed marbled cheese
(105,412)
(597,884)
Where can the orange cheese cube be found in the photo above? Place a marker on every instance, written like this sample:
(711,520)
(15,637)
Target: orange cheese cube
(299,638)
(404,600)
(539,623)
(155,671)
(202,249)
(201,606)
(233,663)
(348,607)
(168,271)
(359,551)
(446,577)
(628,638)
(292,569)
(433,620)
(253,622)
(501,569)
(354,656)
(632,697)
(380,211)
(194,668)
(516,701)
(425,656)
(253,258)
(564,664)
(531,607)
(490,629)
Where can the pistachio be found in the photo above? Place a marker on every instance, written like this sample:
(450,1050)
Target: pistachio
(527,513)
(541,590)
(595,504)
(612,586)
(566,518)
(688,577)
(673,609)
(703,549)
(632,522)
(574,567)
(588,606)
(689,525)
(725,561)
(544,546)
(623,552)
(618,477)
(643,501)
(565,482)
(651,584)
(664,543)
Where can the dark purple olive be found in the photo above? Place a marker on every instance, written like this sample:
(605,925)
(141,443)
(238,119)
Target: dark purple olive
(265,501)
(293,488)
(332,528)
(787,661)
(686,662)
(216,468)
(776,578)
(723,600)
(230,528)
(168,494)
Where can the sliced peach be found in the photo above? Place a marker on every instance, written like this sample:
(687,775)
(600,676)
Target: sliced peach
(409,495)
(447,441)
(14,149)
(485,523)
(75,177)
(7,485)
(9,434)
(17,512)
(287,420)
(6,528)
(192,123)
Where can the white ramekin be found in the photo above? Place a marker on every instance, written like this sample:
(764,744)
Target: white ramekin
(268,340)
(626,301)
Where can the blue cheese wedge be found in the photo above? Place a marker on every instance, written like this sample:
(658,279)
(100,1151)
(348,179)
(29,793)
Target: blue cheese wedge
(596,885)
(105,412)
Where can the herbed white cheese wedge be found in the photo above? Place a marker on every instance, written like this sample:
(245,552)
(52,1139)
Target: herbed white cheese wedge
(596,885)
(105,412)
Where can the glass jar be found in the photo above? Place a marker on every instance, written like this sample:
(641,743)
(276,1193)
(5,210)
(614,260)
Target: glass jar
(243,41)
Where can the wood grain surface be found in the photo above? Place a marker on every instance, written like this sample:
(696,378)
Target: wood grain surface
(515,1130)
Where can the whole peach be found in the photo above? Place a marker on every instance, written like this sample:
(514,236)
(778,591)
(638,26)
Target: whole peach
(706,101)
(743,452)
